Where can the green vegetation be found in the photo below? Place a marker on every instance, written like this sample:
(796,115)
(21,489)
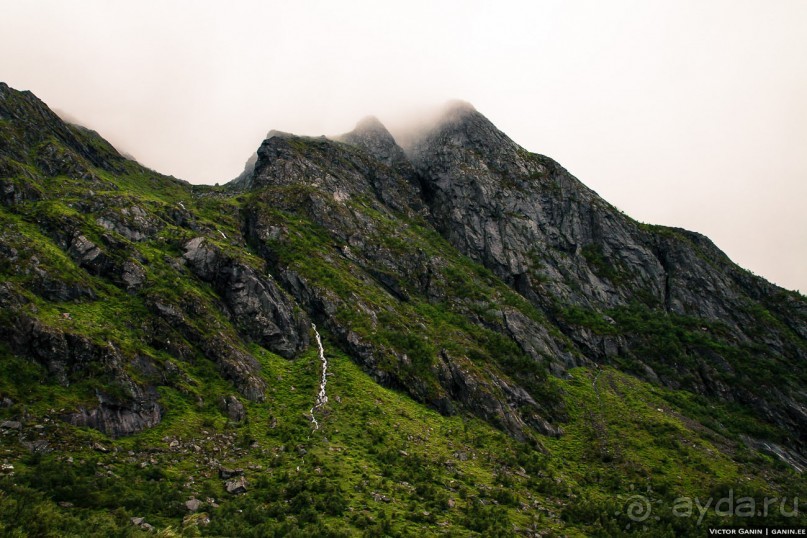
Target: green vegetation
(593,253)
(383,464)
(99,304)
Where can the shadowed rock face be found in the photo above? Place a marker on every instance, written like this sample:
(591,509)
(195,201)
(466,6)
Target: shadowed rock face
(265,313)
(119,418)
(69,358)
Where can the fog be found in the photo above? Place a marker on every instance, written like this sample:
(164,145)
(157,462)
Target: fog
(685,113)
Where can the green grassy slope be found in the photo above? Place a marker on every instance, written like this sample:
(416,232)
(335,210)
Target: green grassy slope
(382,464)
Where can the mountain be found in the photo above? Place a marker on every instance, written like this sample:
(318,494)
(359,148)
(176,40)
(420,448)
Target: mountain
(503,352)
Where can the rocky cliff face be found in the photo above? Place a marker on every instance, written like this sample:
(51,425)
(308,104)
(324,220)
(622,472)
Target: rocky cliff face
(663,303)
(463,272)
(561,246)
(363,207)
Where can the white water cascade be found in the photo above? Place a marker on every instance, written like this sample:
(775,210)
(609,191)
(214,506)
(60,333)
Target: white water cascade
(322,397)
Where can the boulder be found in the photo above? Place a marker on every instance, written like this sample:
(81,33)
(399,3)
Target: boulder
(236,486)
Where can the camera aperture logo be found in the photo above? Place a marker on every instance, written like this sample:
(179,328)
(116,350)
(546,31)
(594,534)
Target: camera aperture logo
(639,508)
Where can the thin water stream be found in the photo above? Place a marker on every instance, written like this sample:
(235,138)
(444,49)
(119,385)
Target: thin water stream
(322,397)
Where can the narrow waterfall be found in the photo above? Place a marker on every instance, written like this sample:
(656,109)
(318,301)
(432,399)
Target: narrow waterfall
(322,397)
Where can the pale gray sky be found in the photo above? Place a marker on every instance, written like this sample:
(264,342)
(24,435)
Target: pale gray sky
(679,112)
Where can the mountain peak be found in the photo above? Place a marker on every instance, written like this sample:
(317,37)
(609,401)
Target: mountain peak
(370,124)
(368,130)
(371,136)
(459,129)
(462,116)
(278,134)
(458,107)
(33,130)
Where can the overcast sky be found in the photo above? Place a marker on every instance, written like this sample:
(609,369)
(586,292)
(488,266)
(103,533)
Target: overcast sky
(685,113)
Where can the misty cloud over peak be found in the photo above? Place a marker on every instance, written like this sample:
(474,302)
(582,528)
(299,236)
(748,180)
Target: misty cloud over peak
(373,136)
(279,134)
(370,123)
(458,106)
(406,132)
(367,127)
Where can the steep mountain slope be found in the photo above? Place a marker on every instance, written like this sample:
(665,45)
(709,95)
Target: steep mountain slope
(509,353)
(664,303)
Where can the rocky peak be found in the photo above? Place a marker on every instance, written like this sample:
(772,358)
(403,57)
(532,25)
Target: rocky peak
(273,133)
(461,123)
(286,160)
(398,187)
(29,126)
(372,127)
(458,112)
(365,162)
(244,179)
(371,136)
(462,136)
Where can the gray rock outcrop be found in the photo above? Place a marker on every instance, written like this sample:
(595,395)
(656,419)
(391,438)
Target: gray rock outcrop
(259,307)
